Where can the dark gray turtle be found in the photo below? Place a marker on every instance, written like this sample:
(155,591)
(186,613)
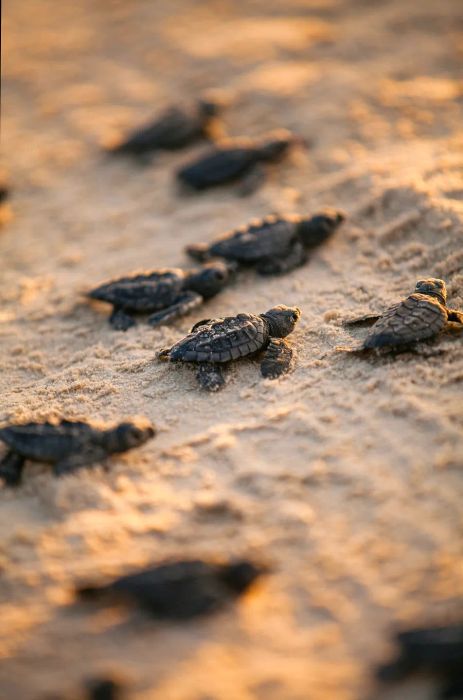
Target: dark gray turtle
(273,245)
(422,315)
(68,445)
(436,651)
(213,343)
(236,158)
(104,688)
(180,590)
(166,294)
(4,194)
(175,128)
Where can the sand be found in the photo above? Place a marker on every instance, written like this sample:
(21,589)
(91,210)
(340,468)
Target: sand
(345,475)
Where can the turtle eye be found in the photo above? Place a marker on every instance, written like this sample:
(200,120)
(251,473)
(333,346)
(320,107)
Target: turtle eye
(219,275)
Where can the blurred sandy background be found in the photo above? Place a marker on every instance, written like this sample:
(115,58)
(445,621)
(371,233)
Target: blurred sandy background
(346,475)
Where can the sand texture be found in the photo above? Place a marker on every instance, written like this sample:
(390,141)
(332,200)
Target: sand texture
(345,475)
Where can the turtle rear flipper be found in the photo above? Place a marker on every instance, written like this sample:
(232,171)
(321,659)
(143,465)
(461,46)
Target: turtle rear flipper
(183,305)
(280,265)
(366,320)
(277,359)
(11,468)
(210,377)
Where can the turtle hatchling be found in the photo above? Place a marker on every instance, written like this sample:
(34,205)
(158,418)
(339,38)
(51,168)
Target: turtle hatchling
(422,315)
(175,128)
(165,294)
(179,590)
(237,159)
(434,651)
(273,245)
(67,445)
(213,343)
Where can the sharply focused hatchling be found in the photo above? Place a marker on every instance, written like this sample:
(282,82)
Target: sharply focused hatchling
(211,344)
(237,159)
(273,245)
(68,445)
(166,294)
(422,315)
(175,128)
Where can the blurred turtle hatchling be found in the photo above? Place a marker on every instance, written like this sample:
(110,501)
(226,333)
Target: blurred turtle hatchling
(238,159)
(435,651)
(272,245)
(179,590)
(173,129)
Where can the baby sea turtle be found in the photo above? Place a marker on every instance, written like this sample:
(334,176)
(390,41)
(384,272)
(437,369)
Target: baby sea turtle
(169,293)
(68,445)
(234,159)
(422,315)
(436,651)
(273,245)
(175,128)
(179,590)
(214,342)
(104,688)
(4,194)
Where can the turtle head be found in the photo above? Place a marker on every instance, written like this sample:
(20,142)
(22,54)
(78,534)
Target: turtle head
(128,435)
(239,575)
(313,230)
(432,287)
(276,144)
(211,279)
(282,320)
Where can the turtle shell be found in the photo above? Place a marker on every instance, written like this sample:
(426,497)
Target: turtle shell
(223,340)
(262,238)
(416,318)
(147,292)
(174,590)
(220,165)
(47,442)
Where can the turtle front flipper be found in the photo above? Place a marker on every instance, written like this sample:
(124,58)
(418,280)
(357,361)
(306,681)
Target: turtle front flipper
(76,461)
(280,265)
(182,306)
(163,355)
(120,320)
(11,468)
(277,359)
(210,377)
(366,320)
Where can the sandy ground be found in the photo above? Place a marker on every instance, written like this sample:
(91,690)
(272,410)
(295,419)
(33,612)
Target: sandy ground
(346,475)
